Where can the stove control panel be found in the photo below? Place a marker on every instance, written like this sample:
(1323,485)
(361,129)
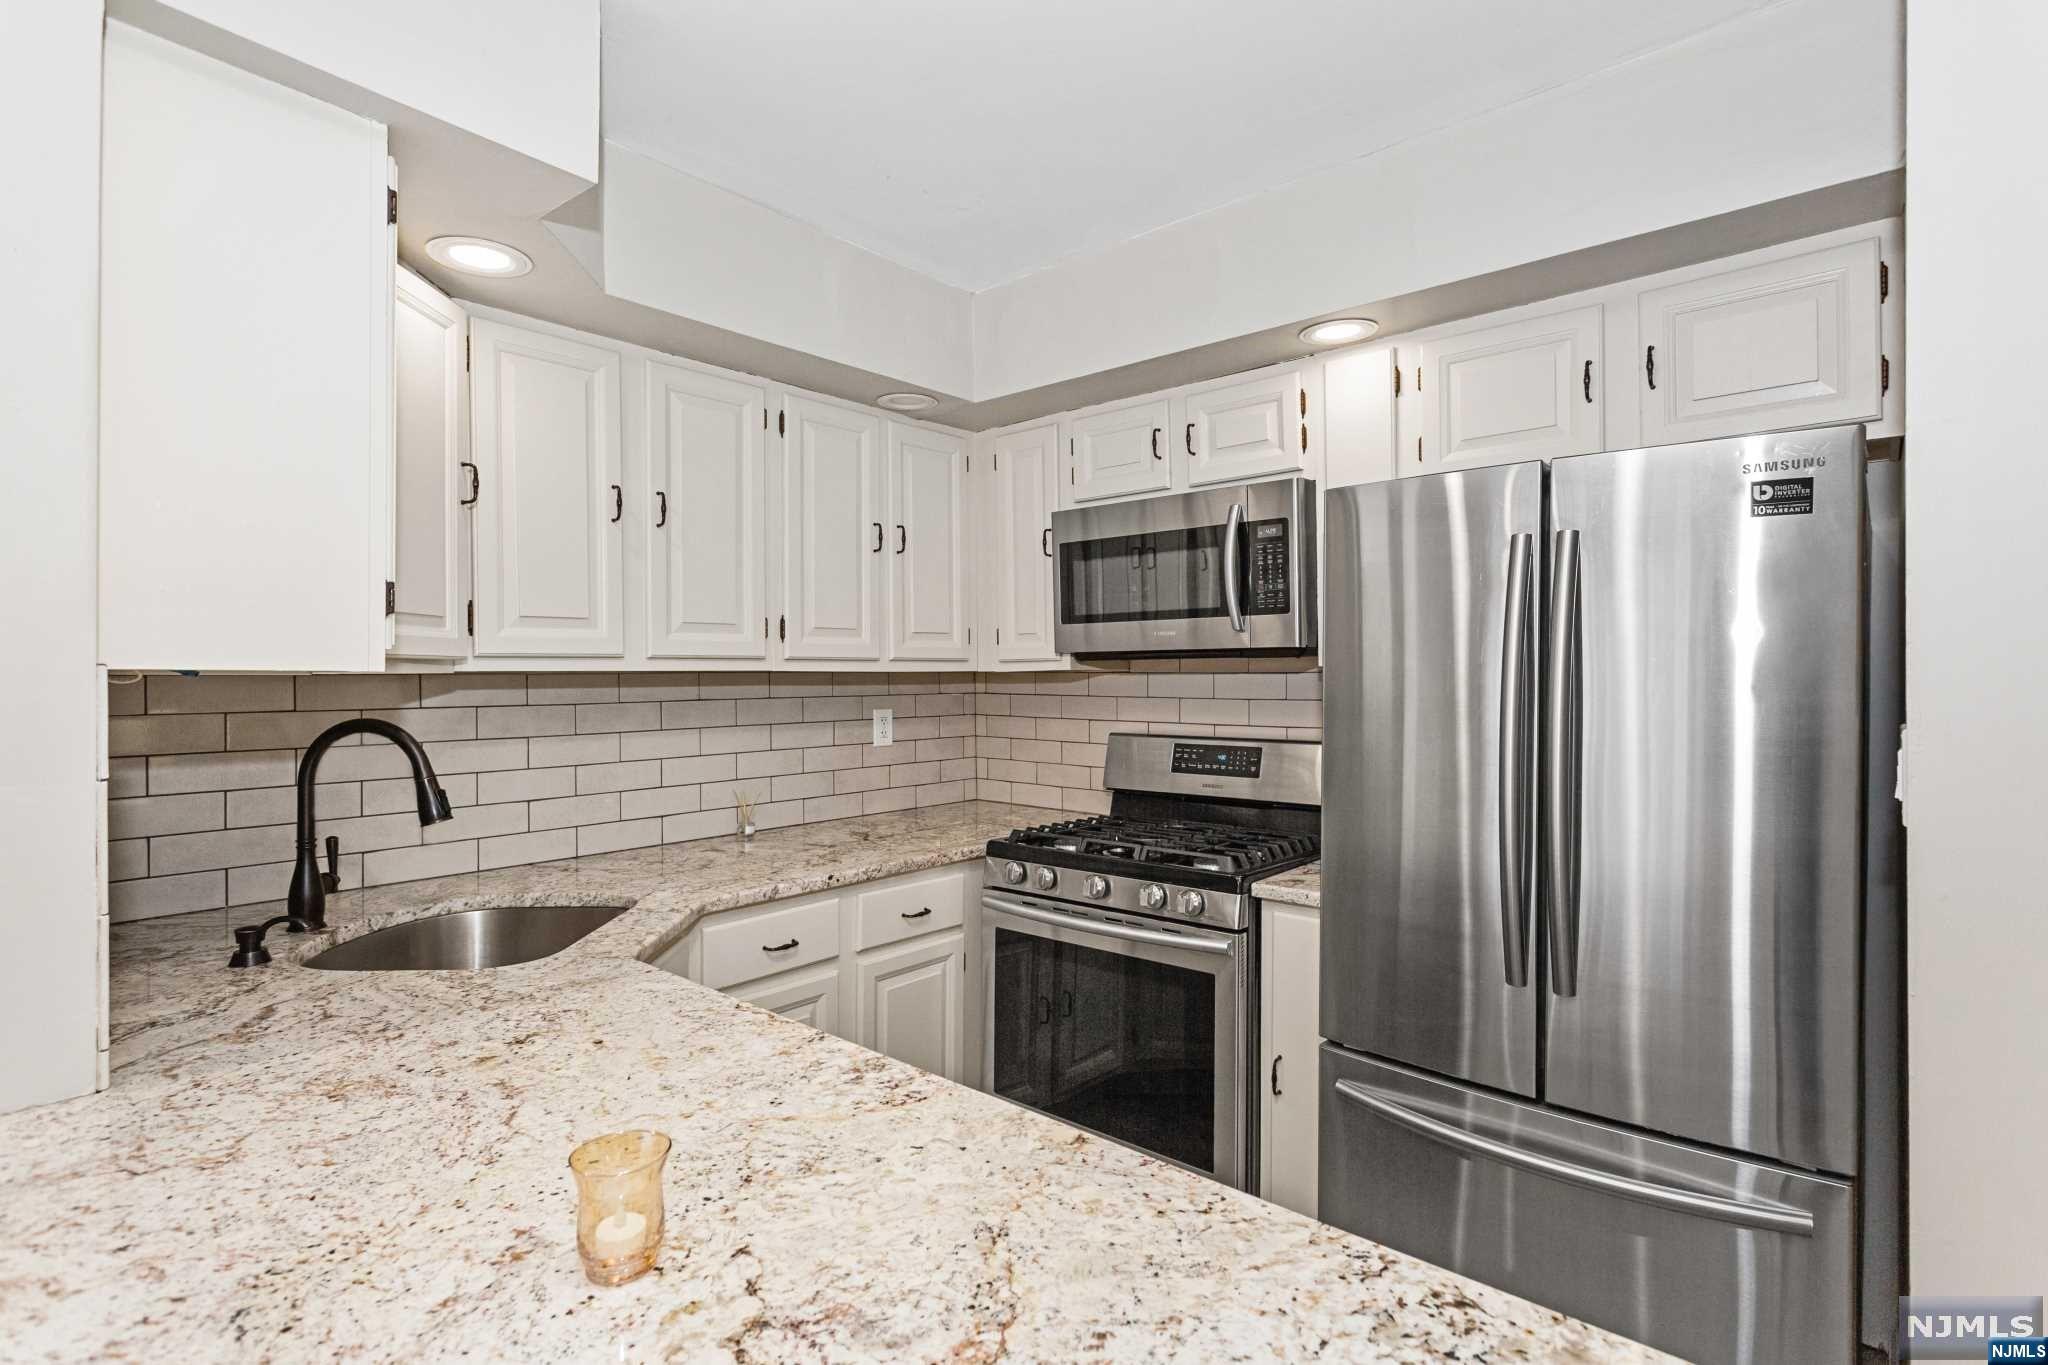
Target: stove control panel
(1218,760)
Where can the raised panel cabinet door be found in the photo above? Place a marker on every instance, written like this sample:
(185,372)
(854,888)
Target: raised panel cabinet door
(927,545)
(834,538)
(1249,430)
(1119,450)
(549,553)
(1288,1037)
(1026,489)
(1527,390)
(432,523)
(810,996)
(1360,444)
(912,1003)
(1788,343)
(706,508)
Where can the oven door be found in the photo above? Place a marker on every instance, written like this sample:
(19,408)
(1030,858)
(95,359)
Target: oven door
(1136,1033)
(1224,570)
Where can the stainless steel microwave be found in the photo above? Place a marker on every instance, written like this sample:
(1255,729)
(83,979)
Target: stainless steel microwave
(1223,571)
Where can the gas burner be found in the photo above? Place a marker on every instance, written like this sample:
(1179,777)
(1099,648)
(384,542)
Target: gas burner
(1169,844)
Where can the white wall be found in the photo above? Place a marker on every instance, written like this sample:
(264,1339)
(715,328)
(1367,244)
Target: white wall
(523,73)
(683,245)
(1798,96)
(51,981)
(1976,647)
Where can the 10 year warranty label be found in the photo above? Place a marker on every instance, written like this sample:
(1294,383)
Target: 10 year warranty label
(1781,498)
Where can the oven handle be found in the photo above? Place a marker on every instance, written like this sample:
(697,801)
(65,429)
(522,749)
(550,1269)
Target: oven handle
(1128,933)
(1232,524)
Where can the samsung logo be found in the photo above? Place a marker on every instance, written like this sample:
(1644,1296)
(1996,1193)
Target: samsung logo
(1785,466)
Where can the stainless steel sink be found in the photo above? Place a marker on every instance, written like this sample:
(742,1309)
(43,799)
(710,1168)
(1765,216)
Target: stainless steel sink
(468,940)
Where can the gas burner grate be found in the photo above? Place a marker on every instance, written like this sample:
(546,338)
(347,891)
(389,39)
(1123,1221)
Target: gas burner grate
(1169,843)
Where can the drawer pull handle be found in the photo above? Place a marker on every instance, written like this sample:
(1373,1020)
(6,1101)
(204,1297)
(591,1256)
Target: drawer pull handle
(918,914)
(778,947)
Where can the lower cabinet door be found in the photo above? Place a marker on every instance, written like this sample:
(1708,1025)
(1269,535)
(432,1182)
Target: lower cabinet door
(911,1003)
(810,996)
(1289,969)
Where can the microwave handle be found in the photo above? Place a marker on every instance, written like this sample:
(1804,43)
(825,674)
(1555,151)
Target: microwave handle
(1232,524)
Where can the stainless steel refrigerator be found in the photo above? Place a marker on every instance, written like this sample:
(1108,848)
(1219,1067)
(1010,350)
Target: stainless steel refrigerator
(1611,870)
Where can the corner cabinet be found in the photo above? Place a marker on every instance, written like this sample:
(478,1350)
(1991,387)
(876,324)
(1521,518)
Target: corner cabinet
(705,508)
(549,557)
(1023,483)
(832,535)
(430,344)
(1290,973)
(929,582)
(883,964)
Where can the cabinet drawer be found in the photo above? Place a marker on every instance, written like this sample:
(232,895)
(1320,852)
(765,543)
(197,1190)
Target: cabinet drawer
(758,943)
(892,913)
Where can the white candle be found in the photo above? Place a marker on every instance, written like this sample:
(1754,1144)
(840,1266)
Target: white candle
(619,1235)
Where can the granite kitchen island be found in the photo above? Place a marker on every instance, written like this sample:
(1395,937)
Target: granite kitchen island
(298,1164)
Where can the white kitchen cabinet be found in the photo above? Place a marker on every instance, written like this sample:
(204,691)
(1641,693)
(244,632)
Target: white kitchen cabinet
(705,507)
(245,417)
(929,578)
(1789,342)
(1529,389)
(1234,430)
(810,996)
(1024,489)
(911,1002)
(549,557)
(1290,968)
(1118,450)
(832,538)
(430,338)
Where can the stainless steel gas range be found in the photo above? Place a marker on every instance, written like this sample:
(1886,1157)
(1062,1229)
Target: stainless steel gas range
(1120,951)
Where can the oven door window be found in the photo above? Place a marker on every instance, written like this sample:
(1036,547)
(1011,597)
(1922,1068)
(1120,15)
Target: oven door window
(1157,576)
(1118,1044)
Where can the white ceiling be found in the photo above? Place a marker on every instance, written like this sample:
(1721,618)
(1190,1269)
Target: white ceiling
(980,140)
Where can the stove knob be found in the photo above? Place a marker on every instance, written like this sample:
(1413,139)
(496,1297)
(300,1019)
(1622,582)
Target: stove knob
(1096,887)
(1193,903)
(1152,896)
(1046,878)
(1013,873)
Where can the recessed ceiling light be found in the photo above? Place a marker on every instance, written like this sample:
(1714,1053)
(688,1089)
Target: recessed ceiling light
(907,402)
(1337,331)
(479,256)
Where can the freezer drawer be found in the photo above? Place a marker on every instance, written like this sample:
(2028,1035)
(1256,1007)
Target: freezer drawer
(1693,1252)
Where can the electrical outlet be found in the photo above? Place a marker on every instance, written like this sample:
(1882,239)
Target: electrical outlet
(885,727)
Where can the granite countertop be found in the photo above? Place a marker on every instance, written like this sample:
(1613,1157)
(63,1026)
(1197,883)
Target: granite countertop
(1302,886)
(293,1164)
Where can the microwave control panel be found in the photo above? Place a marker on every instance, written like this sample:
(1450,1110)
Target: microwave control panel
(1269,593)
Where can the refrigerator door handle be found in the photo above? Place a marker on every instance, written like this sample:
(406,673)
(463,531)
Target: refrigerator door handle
(1515,720)
(1232,524)
(1562,731)
(1764,1215)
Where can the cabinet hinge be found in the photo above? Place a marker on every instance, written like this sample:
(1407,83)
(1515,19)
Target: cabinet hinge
(764,627)
(1302,394)
(997,461)
(465,355)
(1070,447)
(1884,375)
(782,627)
(999,634)
(1397,381)
(390,598)
(970,635)
(764,419)
(1418,379)
(782,424)
(1884,281)
(1418,450)
(1304,438)
(390,205)
(469,618)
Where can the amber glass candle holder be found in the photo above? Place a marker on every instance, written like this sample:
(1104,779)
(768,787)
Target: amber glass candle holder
(618,1203)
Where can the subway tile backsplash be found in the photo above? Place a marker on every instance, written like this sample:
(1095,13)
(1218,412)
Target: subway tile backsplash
(547,766)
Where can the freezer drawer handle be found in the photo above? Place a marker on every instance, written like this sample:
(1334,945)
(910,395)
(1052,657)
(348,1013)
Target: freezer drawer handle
(1515,721)
(1764,1215)
(1562,753)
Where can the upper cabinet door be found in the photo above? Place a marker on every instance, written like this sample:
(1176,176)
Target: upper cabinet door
(1119,450)
(432,532)
(1360,444)
(1025,491)
(1527,390)
(1787,343)
(706,510)
(928,579)
(1241,430)
(833,532)
(548,545)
